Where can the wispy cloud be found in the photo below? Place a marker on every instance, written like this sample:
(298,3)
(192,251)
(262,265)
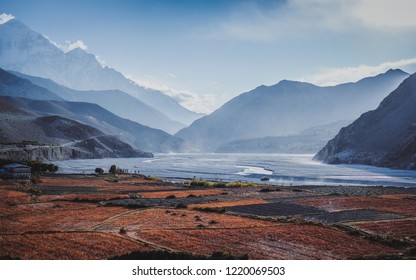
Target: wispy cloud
(5,18)
(390,13)
(253,22)
(334,76)
(200,103)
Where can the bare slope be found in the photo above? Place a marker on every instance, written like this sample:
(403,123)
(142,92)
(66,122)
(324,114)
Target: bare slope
(27,137)
(383,137)
(137,135)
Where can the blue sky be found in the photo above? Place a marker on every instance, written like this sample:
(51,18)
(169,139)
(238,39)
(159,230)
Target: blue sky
(205,52)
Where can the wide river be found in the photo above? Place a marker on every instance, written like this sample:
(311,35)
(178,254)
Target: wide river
(281,169)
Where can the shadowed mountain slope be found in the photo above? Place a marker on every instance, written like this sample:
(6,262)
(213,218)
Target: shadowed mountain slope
(385,136)
(115,101)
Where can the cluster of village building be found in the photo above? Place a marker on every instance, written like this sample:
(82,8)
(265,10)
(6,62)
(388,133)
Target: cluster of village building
(15,171)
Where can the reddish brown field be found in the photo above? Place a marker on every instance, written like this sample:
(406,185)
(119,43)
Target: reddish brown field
(70,245)
(11,194)
(399,196)
(173,219)
(66,217)
(394,205)
(401,229)
(59,216)
(108,184)
(90,181)
(281,241)
(204,233)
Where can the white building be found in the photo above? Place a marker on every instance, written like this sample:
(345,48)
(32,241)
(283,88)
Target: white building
(17,171)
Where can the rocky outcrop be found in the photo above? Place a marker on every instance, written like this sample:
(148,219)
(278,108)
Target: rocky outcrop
(87,149)
(23,136)
(109,146)
(42,153)
(383,137)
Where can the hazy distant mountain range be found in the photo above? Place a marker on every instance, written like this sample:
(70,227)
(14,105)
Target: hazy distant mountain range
(67,105)
(308,141)
(287,108)
(382,137)
(11,85)
(135,134)
(28,52)
(115,101)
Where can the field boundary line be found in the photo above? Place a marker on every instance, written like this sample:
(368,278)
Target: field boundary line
(113,218)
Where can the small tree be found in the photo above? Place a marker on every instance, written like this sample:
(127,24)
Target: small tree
(55,168)
(99,170)
(113,169)
(52,168)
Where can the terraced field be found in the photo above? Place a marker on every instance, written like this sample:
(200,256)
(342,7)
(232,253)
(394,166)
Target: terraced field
(101,217)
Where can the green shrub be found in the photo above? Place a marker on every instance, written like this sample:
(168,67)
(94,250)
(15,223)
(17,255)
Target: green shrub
(99,171)
(199,183)
(219,185)
(39,167)
(113,169)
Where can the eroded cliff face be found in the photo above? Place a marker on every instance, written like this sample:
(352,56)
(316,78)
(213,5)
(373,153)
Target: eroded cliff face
(88,149)
(382,137)
(42,153)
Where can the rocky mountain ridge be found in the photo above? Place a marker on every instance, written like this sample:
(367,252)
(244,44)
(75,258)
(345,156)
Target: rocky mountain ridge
(287,108)
(385,136)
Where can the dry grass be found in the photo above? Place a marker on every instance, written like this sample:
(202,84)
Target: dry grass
(74,245)
(62,216)
(172,219)
(400,229)
(193,232)
(59,219)
(105,184)
(11,194)
(393,205)
(283,241)
(399,196)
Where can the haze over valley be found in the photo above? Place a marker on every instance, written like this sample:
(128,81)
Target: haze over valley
(51,92)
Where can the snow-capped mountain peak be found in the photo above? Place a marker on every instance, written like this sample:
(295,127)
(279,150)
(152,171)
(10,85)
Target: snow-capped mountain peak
(5,18)
(29,52)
